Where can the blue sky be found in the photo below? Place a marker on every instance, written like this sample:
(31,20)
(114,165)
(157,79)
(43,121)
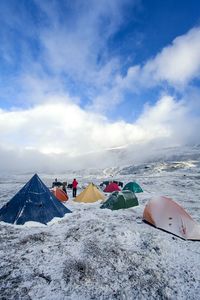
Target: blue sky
(115,64)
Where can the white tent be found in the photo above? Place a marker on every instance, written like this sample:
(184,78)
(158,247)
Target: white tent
(166,214)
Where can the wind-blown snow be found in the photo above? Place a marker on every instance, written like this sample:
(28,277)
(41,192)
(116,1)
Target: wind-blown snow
(96,253)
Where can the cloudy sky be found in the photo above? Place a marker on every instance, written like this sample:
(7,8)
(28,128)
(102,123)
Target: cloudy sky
(79,77)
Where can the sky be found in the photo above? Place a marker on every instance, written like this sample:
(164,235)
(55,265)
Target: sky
(79,77)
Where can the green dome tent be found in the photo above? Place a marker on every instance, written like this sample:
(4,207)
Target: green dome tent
(120,200)
(133,186)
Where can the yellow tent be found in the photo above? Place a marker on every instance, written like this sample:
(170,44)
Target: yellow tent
(90,194)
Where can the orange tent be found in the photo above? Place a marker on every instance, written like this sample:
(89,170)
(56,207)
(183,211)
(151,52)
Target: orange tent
(60,194)
(166,214)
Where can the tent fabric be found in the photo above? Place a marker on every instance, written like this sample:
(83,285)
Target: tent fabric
(120,200)
(119,183)
(112,187)
(90,194)
(59,194)
(133,186)
(166,214)
(34,202)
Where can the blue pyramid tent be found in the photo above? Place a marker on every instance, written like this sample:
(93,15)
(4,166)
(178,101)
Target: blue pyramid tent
(34,202)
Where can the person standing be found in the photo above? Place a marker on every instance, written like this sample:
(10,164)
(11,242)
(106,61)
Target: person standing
(64,185)
(74,187)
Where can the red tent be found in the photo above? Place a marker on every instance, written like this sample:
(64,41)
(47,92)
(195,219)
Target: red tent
(60,194)
(166,214)
(112,187)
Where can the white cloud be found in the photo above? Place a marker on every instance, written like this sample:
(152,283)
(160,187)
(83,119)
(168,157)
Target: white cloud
(75,48)
(73,57)
(167,119)
(65,52)
(59,127)
(177,64)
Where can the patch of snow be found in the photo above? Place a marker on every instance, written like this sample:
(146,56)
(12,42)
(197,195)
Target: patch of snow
(96,253)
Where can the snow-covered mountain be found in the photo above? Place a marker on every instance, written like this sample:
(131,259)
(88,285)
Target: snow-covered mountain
(32,161)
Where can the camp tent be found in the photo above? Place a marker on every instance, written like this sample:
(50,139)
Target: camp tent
(120,200)
(112,187)
(34,202)
(119,183)
(133,186)
(59,194)
(90,194)
(166,214)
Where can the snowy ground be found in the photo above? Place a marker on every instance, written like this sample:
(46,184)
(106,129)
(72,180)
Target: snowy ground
(102,254)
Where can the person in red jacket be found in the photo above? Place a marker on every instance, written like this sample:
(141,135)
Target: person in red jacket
(74,187)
